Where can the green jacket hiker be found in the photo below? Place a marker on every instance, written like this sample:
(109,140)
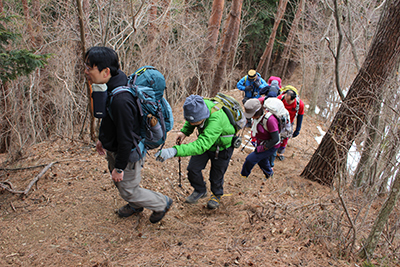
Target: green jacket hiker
(214,143)
(210,136)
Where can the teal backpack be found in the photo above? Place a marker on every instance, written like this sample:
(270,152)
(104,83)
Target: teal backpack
(147,85)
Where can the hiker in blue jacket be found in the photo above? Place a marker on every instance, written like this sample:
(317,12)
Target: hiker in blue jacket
(251,85)
(116,138)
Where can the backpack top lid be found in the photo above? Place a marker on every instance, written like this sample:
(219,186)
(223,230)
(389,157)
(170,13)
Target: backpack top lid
(276,107)
(149,76)
(289,87)
(232,109)
(274,78)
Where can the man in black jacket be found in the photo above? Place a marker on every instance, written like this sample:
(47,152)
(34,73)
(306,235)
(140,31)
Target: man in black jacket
(116,138)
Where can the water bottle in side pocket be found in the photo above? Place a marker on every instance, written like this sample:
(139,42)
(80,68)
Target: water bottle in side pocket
(99,96)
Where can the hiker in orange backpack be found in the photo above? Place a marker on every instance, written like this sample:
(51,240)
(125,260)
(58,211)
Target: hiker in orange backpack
(295,106)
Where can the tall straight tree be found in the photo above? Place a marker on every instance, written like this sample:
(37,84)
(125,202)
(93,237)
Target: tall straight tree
(289,40)
(206,57)
(227,40)
(37,22)
(152,18)
(266,57)
(88,85)
(379,64)
(28,20)
(233,48)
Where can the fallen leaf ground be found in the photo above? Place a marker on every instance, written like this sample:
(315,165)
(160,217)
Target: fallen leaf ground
(69,218)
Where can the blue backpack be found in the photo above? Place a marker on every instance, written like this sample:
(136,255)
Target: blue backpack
(147,85)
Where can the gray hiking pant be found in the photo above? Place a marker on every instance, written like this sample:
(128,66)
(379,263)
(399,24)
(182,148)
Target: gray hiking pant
(130,190)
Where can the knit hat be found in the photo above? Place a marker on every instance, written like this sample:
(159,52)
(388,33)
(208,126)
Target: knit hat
(251,107)
(195,109)
(252,74)
(275,82)
(272,78)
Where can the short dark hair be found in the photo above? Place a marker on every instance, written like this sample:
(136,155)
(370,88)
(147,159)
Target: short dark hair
(103,57)
(259,112)
(292,94)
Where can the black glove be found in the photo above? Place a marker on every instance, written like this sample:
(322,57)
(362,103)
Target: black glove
(244,100)
(248,88)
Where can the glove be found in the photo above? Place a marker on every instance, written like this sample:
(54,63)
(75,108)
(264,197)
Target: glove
(295,133)
(165,154)
(248,88)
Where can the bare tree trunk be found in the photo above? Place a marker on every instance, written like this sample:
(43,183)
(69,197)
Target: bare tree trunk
(205,65)
(89,88)
(28,21)
(289,41)
(389,160)
(266,57)
(165,24)
(316,87)
(336,56)
(338,50)
(38,22)
(5,112)
(152,18)
(349,35)
(219,73)
(235,37)
(379,64)
(381,220)
(367,162)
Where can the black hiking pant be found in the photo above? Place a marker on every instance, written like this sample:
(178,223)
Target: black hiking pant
(218,168)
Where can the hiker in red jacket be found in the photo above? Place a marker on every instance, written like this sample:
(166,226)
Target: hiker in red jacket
(295,106)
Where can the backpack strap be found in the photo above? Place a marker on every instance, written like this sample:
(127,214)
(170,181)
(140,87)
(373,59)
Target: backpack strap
(265,119)
(119,90)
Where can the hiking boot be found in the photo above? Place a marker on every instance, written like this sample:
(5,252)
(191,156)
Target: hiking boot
(157,216)
(280,157)
(267,176)
(195,196)
(127,211)
(213,202)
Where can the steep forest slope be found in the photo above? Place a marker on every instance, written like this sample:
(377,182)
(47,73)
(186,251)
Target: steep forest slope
(69,218)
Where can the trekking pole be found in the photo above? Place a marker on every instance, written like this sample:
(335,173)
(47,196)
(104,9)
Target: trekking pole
(180,169)
(180,172)
(248,141)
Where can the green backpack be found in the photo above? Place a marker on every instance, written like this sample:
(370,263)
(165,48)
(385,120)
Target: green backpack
(234,111)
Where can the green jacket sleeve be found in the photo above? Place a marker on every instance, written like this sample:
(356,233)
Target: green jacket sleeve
(217,131)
